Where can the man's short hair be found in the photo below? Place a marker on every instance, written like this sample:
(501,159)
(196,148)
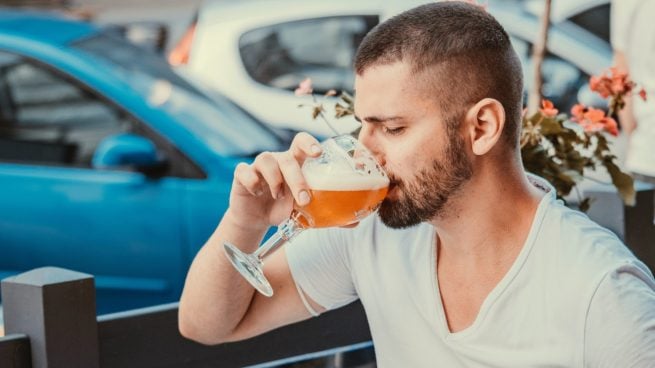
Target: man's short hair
(460,49)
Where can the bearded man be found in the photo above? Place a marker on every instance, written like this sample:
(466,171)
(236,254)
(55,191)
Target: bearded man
(470,261)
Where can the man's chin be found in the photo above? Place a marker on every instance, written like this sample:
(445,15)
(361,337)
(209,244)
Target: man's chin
(393,218)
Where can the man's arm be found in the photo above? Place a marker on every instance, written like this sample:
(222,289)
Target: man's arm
(217,303)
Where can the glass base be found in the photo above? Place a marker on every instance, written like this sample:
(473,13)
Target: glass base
(250,267)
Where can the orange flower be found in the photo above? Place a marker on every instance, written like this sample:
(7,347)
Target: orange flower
(578,111)
(594,115)
(304,88)
(601,85)
(619,86)
(593,120)
(548,109)
(642,94)
(612,84)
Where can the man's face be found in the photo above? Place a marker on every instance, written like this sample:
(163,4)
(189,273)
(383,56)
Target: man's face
(404,128)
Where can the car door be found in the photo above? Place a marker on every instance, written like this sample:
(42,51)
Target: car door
(57,210)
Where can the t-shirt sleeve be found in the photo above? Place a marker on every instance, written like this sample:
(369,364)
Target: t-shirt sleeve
(319,261)
(620,325)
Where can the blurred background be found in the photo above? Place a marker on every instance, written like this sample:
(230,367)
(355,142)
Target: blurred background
(121,121)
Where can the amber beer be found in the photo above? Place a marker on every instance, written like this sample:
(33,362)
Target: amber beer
(340,201)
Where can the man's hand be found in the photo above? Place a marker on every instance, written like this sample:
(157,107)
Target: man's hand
(263,192)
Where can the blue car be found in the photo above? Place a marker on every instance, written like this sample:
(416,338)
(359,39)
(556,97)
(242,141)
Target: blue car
(110,162)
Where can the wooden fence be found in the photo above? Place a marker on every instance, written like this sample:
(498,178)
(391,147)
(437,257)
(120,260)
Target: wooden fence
(50,320)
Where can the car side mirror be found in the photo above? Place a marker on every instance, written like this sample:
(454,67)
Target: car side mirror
(128,151)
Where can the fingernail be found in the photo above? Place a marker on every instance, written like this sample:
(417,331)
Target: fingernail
(316,148)
(303,197)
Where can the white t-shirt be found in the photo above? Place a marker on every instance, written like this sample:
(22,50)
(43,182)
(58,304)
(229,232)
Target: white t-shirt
(574,297)
(633,33)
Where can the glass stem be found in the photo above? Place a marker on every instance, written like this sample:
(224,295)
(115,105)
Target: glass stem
(285,232)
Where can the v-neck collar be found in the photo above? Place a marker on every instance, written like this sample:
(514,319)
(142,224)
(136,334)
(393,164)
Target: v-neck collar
(504,283)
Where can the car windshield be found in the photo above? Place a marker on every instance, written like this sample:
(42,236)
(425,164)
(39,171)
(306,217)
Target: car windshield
(212,118)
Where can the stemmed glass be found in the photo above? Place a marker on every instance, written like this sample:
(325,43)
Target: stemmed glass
(346,184)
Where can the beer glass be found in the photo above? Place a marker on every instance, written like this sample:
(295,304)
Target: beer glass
(345,185)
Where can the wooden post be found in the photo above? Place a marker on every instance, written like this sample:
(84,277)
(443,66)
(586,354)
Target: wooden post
(56,309)
(538,54)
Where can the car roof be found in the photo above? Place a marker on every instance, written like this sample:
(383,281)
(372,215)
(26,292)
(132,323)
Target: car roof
(219,10)
(47,26)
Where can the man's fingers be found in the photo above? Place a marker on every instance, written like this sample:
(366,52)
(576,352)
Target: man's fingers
(246,175)
(281,170)
(290,169)
(266,165)
(304,145)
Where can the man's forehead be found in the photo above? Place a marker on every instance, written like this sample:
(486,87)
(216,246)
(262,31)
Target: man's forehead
(388,88)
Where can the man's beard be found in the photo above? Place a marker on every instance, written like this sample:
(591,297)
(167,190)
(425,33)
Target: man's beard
(424,198)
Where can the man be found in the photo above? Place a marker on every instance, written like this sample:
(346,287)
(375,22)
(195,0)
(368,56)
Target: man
(469,262)
(633,40)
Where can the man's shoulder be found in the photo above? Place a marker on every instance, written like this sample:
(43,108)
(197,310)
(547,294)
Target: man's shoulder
(577,240)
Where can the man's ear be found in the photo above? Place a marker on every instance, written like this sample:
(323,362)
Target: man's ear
(486,123)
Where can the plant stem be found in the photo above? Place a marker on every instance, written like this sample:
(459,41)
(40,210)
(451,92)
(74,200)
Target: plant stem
(577,192)
(323,116)
(538,54)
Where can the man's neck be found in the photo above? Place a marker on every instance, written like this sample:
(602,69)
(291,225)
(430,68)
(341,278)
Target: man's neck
(480,239)
(490,218)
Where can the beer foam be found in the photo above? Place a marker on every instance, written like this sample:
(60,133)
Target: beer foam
(339,181)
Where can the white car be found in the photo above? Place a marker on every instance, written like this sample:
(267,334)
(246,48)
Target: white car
(256,53)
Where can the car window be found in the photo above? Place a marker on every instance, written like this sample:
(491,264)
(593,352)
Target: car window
(110,46)
(282,55)
(45,118)
(596,20)
(210,116)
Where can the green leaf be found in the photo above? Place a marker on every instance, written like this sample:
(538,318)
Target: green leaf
(585,204)
(622,181)
(341,111)
(550,126)
(317,111)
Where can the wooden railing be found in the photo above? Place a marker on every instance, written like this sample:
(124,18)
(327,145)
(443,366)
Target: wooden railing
(50,321)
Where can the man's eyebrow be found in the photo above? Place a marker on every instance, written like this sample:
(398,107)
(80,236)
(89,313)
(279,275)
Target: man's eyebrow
(378,119)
